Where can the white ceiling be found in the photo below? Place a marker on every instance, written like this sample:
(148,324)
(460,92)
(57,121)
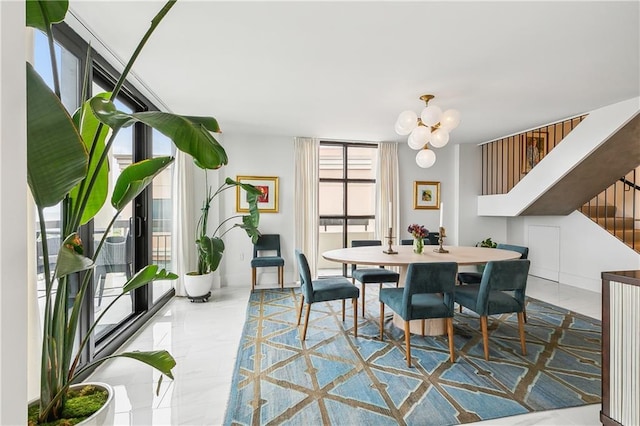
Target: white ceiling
(345,70)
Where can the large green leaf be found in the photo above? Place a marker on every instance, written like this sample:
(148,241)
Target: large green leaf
(56,157)
(135,178)
(210,249)
(210,123)
(146,275)
(88,124)
(190,134)
(55,12)
(160,360)
(254,212)
(107,113)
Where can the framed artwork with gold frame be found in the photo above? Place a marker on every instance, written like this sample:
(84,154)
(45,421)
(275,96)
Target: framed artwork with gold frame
(535,148)
(267,202)
(426,195)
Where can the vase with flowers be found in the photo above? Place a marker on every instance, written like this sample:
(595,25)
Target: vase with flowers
(419,233)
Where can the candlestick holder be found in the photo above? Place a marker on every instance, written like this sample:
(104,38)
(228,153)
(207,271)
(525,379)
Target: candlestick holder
(440,240)
(389,237)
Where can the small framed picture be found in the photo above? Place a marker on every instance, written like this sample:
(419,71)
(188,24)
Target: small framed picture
(267,201)
(535,148)
(426,195)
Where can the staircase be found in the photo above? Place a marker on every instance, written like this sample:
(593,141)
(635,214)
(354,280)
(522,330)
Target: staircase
(603,147)
(617,209)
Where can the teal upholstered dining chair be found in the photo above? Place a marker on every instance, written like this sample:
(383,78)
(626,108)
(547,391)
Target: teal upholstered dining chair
(428,293)
(366,276)
(267,243)
(476,277)
(430,240)
(502,290)
(323,290)
(433,238)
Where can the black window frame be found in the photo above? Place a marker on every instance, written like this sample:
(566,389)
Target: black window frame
(345,180)
(144,306)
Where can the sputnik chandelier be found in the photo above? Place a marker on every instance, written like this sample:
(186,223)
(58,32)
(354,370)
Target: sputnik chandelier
(431,128)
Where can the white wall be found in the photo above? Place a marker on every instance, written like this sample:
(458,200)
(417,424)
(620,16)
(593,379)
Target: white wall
(442,171)
(471,227)
(253,155)
(13,216)
(585,249)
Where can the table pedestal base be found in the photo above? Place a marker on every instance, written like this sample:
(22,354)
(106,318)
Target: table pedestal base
(432,327)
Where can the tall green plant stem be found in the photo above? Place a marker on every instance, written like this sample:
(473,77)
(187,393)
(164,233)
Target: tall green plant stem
(43,227)
(77,305)
(221,189)
(52,53)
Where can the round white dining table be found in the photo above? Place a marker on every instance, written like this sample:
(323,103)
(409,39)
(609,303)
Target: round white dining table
(374,255)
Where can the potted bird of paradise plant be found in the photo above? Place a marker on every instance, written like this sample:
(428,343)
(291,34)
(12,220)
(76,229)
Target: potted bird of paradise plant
(211,247)
(66,164)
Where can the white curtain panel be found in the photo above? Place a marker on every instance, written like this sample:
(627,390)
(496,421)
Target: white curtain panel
(183,249)
(305,199)
(387,190)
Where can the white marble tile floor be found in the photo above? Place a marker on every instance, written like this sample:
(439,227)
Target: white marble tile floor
(204,337)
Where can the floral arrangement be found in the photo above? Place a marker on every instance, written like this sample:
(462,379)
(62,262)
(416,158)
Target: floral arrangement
(418,231)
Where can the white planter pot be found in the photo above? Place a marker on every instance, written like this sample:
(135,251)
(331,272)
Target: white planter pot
(197,285)
(105,415)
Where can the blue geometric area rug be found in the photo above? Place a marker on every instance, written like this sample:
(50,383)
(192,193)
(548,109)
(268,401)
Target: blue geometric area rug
(334,378)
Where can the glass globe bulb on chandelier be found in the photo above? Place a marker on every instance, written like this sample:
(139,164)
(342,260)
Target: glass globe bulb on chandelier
(431,127)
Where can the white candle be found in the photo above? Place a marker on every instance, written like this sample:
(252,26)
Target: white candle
(390,214)
(441,213)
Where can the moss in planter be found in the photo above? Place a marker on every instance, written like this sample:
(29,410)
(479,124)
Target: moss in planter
(81,403)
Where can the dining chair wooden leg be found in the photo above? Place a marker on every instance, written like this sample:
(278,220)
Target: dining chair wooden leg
(381,321)
(343,310)
(523,343)
(355,317)
(253,279)
(306,322)
(460,306)
(407,341)
(424,323)
(364,301)
(281,277)
(524,313)
(485,336)
(450,334)
(300,309)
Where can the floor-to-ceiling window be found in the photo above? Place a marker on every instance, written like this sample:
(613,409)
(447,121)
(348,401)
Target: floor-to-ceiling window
(346,197)
(141,233)
(161,215)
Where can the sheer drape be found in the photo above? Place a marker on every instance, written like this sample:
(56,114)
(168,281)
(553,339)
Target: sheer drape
(305,199)
(183,227)
(387,190)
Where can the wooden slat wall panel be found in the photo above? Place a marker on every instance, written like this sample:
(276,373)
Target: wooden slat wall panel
(502,159)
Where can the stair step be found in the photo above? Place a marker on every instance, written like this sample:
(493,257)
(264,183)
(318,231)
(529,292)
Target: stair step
(598,211)
(617,222)
(627,234)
